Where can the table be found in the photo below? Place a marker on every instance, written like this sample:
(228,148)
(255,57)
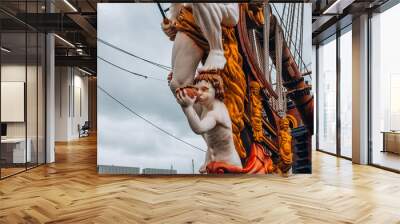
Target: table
(391,141)
(13,150)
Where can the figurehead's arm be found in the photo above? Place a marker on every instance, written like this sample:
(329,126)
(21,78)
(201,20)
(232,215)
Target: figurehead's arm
(199,126)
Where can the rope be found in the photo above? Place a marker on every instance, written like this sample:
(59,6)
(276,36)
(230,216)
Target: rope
(135,56)
(296,51)
(278,67)
(266,42)
(292,24)
(126,70)
(301,38)
(148,121)
(296,35)
(287,19)
(257,48)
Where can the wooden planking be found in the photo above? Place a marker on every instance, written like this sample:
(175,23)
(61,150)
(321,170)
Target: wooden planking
(70,191)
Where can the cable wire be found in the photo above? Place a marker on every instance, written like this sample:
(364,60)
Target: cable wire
(135,56)
(133,73)
(148,121)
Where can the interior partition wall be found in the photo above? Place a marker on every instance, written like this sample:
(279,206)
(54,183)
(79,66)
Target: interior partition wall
(22,89)
(334,94)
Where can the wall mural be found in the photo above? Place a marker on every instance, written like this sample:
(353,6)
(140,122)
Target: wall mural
(237,92)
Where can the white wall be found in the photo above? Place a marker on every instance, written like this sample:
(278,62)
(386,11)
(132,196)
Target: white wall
(61,103)
(71,94)
(12,73)
(80,110)
(16,73)
(33,126)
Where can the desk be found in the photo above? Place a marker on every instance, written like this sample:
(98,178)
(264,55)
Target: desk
(391,141)
(13,150)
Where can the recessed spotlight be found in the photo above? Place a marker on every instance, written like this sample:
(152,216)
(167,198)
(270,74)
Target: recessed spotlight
(84,71)
(64,40)
(5,50)
(70,5)
(335,6)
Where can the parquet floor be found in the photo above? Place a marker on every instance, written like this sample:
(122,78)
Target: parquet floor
(387,159)
(10,171)
(70,191)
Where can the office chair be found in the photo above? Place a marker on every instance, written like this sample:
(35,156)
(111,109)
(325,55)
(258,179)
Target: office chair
(84,130)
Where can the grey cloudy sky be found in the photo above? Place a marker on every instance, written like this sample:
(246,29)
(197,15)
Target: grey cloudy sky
(123,138)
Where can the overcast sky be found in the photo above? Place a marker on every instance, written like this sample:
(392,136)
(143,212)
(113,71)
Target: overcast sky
(123,138)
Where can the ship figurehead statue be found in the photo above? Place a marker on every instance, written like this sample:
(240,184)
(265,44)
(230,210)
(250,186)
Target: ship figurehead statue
(214,90)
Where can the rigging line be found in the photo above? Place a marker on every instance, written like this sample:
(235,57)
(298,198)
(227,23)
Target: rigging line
(287,18)
(284,27)
(291,25)
(148,121)
(301,36)
(297,29)
(161,11)
(135,56)
(296,44)
(284,9)
(133,73)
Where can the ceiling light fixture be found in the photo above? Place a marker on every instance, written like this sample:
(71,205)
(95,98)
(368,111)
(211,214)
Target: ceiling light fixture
(70,5)
(65,41)
(338,6)
(326,11)
(84,71)
(5,50)
(79,51)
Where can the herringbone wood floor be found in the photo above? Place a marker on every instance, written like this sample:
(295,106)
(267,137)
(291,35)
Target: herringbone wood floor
(70,191)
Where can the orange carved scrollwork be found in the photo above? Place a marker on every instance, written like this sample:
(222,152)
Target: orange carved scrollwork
(258,162)
(285,146)
(256,111)
(255,12)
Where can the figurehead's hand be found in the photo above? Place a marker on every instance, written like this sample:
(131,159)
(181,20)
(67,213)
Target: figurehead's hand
(169,28)
(203,169)
(185,99)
